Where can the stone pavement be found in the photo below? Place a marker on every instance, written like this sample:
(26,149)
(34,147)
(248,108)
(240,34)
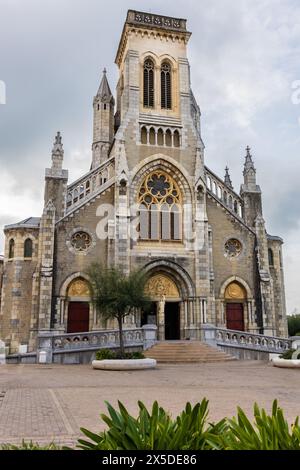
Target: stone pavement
(51,402)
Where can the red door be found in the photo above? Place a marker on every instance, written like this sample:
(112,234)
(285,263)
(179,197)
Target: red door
(78,317)
(235,317)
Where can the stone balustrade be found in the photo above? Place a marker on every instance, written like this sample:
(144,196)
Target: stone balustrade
(226,195)
(97,339)
(240,339)
(52,343)
(89,184)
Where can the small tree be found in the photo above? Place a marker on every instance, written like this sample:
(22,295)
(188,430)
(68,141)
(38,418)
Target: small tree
(115,294)
(294,324)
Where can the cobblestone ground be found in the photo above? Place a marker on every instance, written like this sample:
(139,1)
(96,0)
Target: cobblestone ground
(50,403)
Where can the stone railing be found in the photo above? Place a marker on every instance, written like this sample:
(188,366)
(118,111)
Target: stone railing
(226,196)
(89,184)
(50,343)
(240,339)
(97,339)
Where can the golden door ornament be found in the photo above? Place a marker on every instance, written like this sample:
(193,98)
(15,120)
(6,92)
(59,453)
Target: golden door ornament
(162,286)
(235,291)
(79,288)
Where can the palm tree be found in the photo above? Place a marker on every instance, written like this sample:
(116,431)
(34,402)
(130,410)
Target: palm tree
(115,294)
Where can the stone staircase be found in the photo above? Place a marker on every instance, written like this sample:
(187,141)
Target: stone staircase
(186,352)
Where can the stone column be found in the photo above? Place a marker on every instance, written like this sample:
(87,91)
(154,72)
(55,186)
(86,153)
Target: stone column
(161,318)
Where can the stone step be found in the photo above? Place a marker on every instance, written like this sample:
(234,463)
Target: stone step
(186,352)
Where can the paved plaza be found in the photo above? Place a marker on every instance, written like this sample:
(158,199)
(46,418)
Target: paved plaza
(51,402)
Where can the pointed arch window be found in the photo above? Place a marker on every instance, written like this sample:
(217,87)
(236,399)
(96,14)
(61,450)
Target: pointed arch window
(166,86)
(148,83)
(28,248)
(11,249)
(160,208)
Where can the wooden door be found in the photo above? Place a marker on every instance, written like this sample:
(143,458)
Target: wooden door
(78,317)
(235,316)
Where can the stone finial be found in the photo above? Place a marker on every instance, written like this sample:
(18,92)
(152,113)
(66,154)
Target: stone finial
(249,170)
(57,152)
(57,146)
(227,179)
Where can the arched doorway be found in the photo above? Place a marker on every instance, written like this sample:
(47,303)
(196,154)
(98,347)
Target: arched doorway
(165,309)
(235,298)
(79,306)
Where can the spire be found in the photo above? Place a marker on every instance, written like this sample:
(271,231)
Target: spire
(57,152)
(104,93)
(248,161)
(227,179)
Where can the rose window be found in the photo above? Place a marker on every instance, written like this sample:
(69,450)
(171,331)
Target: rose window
(233,248)
(81,241)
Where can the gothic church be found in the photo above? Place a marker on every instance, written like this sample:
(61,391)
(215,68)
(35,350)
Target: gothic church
(150,202)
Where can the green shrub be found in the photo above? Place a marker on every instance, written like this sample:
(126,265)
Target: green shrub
(289,354)
(30,446)
(156,430)
(108,354)
(105,354)
(267,433)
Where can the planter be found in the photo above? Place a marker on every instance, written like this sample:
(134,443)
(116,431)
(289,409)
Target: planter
(124,364)
(286,363)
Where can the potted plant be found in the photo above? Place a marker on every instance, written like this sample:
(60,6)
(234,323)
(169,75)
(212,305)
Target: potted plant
(115,295)
(289,359)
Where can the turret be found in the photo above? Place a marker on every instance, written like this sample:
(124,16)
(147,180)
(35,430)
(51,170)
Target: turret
(56,179)
(250,191)
(103,131)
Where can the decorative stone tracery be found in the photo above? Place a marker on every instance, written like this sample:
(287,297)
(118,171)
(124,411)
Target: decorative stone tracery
(161,286)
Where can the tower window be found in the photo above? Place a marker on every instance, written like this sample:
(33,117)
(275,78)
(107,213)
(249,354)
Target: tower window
(11,250)
(149,83)
(28,248)
(104,106)
(176,139)
(166,91)
(144,135)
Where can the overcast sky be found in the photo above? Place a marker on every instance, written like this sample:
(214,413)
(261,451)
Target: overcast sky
(244,58)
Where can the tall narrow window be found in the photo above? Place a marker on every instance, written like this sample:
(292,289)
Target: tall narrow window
(148,84)
(160,208)
(166,92)
(28,248)
(11,250)
(271,257)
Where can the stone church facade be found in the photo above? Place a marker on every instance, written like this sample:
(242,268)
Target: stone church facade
(149,202)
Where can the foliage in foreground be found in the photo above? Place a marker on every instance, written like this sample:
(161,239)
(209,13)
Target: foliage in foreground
(29,446)
(191,430)
(108,354)
(156,430)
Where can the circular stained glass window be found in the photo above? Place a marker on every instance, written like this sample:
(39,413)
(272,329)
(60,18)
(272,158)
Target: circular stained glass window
(233,248)
(81,241)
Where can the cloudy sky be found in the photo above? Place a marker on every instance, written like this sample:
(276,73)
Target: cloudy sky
(244,61)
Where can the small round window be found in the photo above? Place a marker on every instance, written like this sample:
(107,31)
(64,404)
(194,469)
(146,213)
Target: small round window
(233,248)
(81,241)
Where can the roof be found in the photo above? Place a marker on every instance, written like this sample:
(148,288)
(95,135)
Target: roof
(104,92)
(274,238)
(31,222)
